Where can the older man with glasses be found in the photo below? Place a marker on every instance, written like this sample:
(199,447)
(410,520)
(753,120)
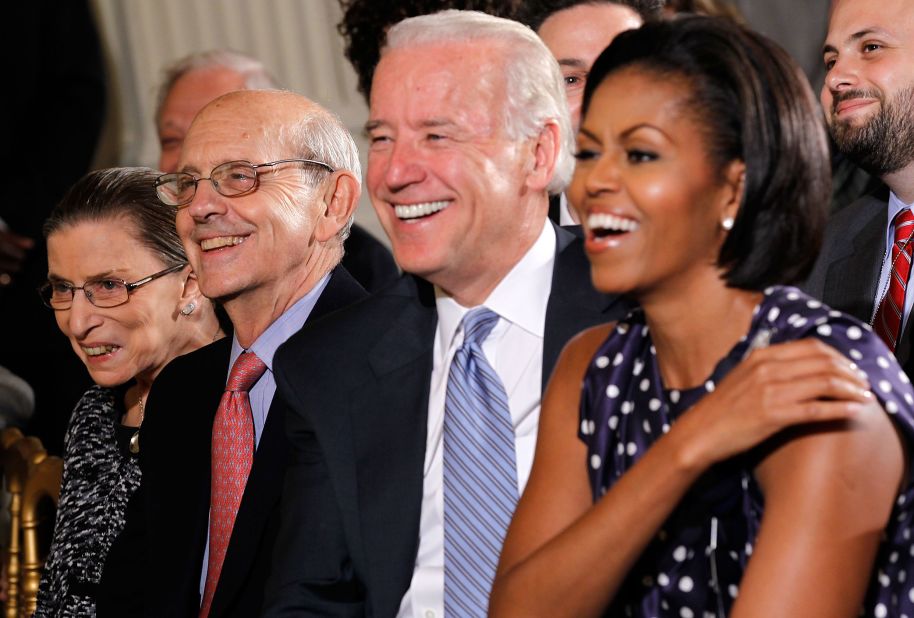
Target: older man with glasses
(267,187)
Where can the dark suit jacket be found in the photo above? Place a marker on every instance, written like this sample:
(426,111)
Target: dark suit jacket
(368,261)
(353,493)
(846,274)
(175,459)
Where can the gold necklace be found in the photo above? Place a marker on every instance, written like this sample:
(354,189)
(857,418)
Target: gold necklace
(135,438)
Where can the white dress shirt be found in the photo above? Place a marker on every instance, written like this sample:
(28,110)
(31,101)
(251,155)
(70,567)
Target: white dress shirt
(895,207)
(565,216)
(515,350)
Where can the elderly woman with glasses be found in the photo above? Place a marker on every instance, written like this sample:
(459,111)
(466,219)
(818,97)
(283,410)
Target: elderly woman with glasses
(123,293)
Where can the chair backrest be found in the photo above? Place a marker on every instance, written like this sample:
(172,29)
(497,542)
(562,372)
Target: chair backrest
(42,487)
(18,458)
(9,436)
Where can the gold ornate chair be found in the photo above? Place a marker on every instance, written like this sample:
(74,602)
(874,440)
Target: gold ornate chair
(40,497)
(8,437)
(18,458)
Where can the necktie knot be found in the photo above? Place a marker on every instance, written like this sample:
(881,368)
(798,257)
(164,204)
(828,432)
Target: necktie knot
(477,324)
(904,225)
(245,372)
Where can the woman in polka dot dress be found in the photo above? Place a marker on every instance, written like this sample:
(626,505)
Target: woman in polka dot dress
(736,448)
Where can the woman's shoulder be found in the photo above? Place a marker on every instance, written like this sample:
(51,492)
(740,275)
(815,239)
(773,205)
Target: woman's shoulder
(95,410)
(801,316)
(792,314)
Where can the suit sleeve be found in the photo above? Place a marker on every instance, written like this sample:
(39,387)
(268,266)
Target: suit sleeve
(312,569)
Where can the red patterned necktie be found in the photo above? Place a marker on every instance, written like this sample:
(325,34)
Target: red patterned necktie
(887,322)
(233,454)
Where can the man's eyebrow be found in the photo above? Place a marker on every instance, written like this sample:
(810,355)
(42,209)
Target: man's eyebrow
(575,63)
(828,49)
(372,125)
(436,122)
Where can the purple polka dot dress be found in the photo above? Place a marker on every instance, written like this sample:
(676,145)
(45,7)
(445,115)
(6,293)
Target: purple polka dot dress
(693,567)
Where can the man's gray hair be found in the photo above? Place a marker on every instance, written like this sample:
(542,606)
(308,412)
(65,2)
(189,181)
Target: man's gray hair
(322,136)
(535,90)
(255,73)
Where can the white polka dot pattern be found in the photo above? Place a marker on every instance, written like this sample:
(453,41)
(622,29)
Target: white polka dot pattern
(624,400)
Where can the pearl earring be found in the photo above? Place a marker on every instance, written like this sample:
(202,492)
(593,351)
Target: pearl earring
(727,223)
(189,308)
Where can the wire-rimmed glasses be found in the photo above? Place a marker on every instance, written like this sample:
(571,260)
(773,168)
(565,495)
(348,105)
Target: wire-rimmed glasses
(230,179)
(104,293)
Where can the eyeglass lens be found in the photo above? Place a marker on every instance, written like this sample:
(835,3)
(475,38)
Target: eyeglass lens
(229,179)
(102,293)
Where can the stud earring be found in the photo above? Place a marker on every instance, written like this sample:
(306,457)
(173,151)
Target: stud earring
(727,223)
(189,308)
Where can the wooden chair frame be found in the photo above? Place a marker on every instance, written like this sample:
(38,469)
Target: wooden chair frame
(43,482)
(18,459)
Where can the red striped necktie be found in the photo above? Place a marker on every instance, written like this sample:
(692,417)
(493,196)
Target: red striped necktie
(889,316)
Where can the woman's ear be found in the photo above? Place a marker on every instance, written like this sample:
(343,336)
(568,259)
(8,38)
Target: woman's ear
(191,296)
(338,204)
(734,186)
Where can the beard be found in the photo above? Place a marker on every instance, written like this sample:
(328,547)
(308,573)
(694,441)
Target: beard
(884,143)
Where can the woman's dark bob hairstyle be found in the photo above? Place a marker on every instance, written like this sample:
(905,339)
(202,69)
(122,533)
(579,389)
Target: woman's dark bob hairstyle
(753,104)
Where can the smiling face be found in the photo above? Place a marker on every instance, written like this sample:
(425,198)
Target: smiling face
(650,199)
(458,197)
(868,95)
(256,249)
(189,94)
(577,35)
(135,339)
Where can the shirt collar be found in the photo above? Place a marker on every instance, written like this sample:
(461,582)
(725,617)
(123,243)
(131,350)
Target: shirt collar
(289,323)
(895,206)
(520,297)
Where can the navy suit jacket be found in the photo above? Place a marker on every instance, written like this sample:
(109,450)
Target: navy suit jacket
(168,518)
(357,424)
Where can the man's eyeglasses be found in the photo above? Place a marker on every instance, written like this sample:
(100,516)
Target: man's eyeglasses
(229,179)
(58,295)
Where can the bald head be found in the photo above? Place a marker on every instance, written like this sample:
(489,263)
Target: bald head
(269,125)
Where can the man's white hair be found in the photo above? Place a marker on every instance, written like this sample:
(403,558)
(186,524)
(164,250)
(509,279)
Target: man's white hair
(535,92)
(322,136)
(255,73)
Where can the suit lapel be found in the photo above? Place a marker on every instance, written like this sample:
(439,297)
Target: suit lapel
(264,487)
(389,432)
(852,276)
(574,304)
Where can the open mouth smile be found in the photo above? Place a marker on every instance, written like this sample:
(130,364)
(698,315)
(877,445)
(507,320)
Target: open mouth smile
(210,244)
(99,350)
(407,212)
(604,225)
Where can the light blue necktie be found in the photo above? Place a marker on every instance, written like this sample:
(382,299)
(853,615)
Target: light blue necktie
(480,472)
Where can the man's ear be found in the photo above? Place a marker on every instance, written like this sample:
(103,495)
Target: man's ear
(338,204)
(546,149)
